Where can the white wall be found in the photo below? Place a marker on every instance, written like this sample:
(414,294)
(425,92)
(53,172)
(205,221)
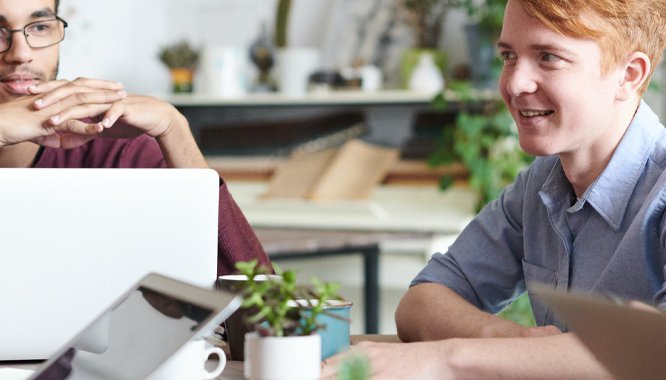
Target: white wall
(119,39)
(115,40)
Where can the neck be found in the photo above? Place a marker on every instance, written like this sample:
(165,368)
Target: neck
(18,156)
(582,167)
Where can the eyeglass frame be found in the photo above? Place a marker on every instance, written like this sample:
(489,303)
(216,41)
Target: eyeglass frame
(25,34)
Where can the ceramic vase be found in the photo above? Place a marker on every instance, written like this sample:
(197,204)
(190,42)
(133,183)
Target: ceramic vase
(410,58)
(482,53)
(282,358)
(426,76)
(294,67)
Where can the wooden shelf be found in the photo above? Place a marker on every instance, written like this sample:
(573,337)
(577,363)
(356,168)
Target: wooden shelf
(261,168)
(337,97)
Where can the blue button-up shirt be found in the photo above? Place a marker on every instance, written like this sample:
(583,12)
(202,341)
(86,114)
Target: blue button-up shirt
(611,240)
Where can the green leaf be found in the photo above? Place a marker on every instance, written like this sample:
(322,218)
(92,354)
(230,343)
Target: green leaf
(354,367)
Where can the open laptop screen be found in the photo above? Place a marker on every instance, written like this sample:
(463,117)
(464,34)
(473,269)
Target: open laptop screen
(74,239)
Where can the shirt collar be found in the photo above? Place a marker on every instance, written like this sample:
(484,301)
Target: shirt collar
(609,194)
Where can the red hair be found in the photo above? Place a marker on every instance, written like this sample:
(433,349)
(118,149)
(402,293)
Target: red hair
(620,26)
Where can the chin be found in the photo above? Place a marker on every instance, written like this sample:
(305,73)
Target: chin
(537,149)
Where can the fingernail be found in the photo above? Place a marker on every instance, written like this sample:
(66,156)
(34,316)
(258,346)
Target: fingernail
(119,84)
(106,123)
(39,102)
(122,93)
(55,119)
(32,88)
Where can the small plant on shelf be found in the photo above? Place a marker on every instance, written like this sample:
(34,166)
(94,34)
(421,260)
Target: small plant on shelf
(179,55)
(182,59)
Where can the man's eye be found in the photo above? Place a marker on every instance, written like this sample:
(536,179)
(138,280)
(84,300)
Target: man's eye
(40,28)
(506,55)
(547,57)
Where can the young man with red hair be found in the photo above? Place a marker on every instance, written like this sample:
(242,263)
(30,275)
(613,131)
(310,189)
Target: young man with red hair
(589,214)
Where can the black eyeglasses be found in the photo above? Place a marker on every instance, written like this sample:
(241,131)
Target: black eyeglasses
(38,34)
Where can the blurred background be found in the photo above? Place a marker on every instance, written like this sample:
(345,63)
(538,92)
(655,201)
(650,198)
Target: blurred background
(275,82)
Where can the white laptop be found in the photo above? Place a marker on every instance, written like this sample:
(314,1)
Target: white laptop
(629,342)
(73,240)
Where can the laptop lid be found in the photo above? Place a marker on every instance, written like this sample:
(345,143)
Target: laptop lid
(74,239)
(629,342)
(146,325)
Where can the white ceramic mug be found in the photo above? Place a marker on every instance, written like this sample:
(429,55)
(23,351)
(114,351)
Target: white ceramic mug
(224,71)
(190,363)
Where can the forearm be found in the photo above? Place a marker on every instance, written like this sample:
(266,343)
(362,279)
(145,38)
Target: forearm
(554,357)
(443,314)
(19,155)
(178,145)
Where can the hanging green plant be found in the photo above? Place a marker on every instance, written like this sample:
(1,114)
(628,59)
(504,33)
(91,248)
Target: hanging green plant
(484,139)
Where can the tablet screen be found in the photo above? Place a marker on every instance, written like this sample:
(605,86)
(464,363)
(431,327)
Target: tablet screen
(130,340)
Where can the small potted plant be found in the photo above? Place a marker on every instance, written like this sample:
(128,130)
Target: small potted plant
(426,19)
(181,59)
(285,343)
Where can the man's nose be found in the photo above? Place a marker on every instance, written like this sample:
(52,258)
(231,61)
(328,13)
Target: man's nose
(19,51)
(521,79)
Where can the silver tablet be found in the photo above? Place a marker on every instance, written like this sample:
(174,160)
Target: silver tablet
(139,331)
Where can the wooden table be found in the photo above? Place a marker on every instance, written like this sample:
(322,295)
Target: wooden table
(233,369)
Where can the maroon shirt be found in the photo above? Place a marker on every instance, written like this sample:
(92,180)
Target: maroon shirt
(236,241)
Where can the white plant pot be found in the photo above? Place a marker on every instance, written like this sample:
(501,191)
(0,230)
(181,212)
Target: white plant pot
(294,67)
(426,77)
(224,71)
(282,358)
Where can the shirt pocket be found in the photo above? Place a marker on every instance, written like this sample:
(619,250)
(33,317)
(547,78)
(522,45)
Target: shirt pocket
(535,273)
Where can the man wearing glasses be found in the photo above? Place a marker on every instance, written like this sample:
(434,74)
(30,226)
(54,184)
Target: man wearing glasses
(90,123)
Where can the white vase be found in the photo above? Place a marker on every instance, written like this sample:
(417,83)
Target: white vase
(282,358)
(426,76)
(294,67)
(224,71)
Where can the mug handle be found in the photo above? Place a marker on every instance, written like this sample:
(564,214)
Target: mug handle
(222,362)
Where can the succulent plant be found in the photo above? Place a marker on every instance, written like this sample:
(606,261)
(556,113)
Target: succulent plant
(283,307)
(179,55)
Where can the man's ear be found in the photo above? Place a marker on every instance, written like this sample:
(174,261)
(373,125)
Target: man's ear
(636,71)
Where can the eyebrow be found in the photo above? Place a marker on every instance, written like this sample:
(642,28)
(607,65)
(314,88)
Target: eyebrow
(539,47)
(41,13)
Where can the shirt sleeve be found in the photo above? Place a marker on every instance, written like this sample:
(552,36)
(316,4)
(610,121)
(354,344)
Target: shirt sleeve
(484,264)
(236,238)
